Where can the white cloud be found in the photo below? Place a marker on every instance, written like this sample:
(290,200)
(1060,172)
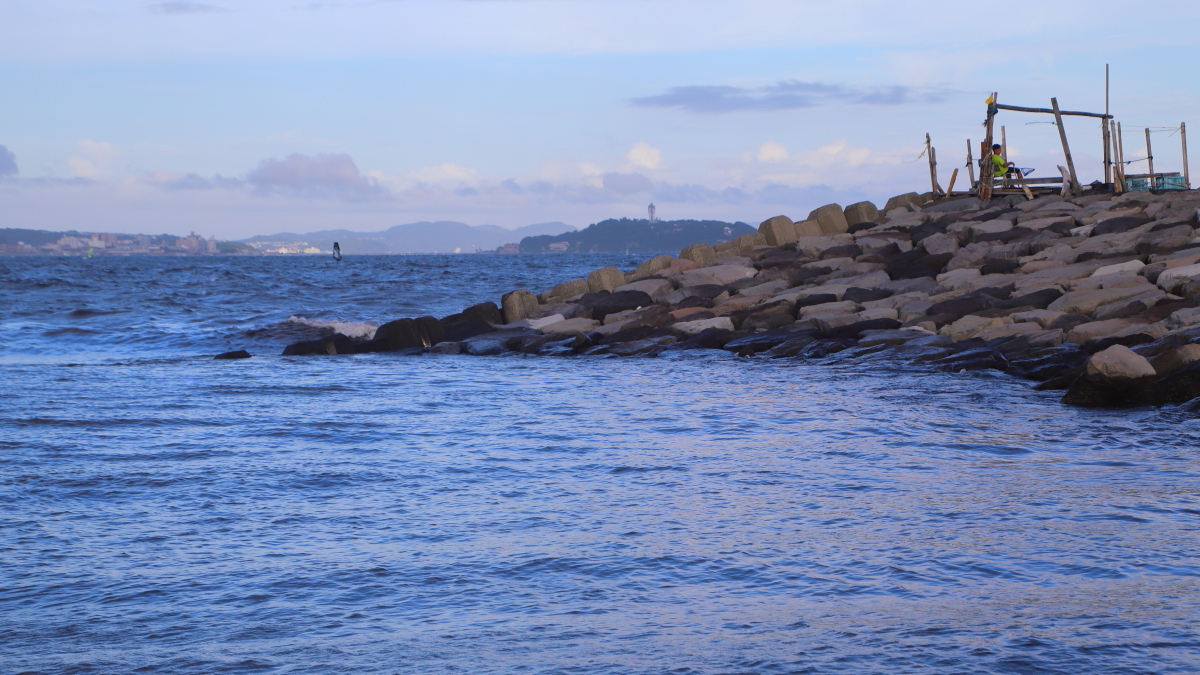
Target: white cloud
(642,155)
(772,152)
(443,173)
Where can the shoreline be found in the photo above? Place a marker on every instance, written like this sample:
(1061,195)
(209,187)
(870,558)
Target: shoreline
(1095,296)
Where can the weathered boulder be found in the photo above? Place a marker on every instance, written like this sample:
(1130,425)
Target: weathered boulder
(458,329)
(968,326)
(516,305)
(601,305)
(1086,333)
(778,231)
(395,335)
(861,212)
(1175,359)
(717,274)
(939,243)
(701,254)
(497,342)
(903,200)
(1171,280)
(690,328)
(1129,306)
(650,267)
(571,327)
(446,348)
(232,356)
(831,219)
(1087,301)
(655,288)
(605,279)
(1114,377)
(430,329)
(807,228)
(568,289)
(1130,267)
(334,344)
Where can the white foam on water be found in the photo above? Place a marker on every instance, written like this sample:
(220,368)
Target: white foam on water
(354,329)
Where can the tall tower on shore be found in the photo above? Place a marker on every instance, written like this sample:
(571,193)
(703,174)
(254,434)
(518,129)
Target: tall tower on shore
(651,210)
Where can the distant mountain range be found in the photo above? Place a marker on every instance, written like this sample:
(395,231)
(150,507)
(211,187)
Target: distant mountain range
(641,236)
(425,237)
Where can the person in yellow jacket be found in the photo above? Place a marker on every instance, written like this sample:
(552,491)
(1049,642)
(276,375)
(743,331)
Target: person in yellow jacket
(999,167)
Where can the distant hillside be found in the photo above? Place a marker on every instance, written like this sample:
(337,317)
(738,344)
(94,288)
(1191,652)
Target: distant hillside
(641,236)
(424,237)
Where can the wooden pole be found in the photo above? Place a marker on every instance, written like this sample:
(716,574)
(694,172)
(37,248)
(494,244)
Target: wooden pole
(1021,182)
(971,162)
(932,166)
(1120,145)
(1062,135)
(1187,181)
(1105,132)
(1150,159)
(1118,168)
(950,188)
(1107,154)
(985,168)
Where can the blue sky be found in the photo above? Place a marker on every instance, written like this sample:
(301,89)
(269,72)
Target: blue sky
(237,118)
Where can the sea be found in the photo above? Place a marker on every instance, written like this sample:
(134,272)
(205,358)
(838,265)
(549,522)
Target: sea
(691,513)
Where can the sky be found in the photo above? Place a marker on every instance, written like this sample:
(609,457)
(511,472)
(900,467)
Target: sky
(233,118)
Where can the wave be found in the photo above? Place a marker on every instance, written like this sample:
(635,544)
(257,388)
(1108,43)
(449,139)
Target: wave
(354,329)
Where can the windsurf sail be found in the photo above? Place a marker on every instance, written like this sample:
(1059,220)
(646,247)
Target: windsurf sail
(337,252)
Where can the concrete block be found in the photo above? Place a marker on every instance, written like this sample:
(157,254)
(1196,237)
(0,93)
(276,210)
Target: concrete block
(831,219)
(605,279)
(778,231)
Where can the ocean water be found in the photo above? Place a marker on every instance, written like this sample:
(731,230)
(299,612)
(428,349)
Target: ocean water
(163,512)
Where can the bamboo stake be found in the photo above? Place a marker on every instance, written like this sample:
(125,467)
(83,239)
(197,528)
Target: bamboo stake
(985,168)
(1121,153)
(932,165)
(1107,154)
(1118,168)
(1150,159)
(971,163)
(1021,181)
(950,188)
(1187,181)
(1004,153)
(1062,135)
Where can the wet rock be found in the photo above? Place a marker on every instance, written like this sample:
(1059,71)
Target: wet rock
(575,326)
(749,345)
(690,328)
(516,305)
(600,305)
(857,328)
(498,342)
(334,344)
(644,347)
(1176,359)
(712,338)
(394,335)
(1182,385)
(446,348)
(1114,377)
(231,356)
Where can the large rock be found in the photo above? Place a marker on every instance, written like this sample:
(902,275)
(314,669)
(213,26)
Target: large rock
(1086,333)
(831,218)
(1130,267)
(605,279)
(650,267)
(1087,301)
(861,212)
(939,243)
(807,228)
(968,326)
(717,274)
(778,231)
(1172,279)
(655,288)
(690,328)
(1113,377)
(569,289)
(903,200)
(571,327)
(601,305)
(398,334)
(516,305)
(1175,359)
(334,344)
(701,254)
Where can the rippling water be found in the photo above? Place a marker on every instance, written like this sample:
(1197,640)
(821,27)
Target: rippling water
(700,513)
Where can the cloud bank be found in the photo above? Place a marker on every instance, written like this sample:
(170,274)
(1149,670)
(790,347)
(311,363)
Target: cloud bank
(783,95)
(8,162)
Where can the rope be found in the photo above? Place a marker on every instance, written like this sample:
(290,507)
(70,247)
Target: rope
(919,156)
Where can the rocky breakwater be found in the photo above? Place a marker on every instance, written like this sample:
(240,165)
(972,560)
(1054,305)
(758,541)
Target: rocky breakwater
(1095,296)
